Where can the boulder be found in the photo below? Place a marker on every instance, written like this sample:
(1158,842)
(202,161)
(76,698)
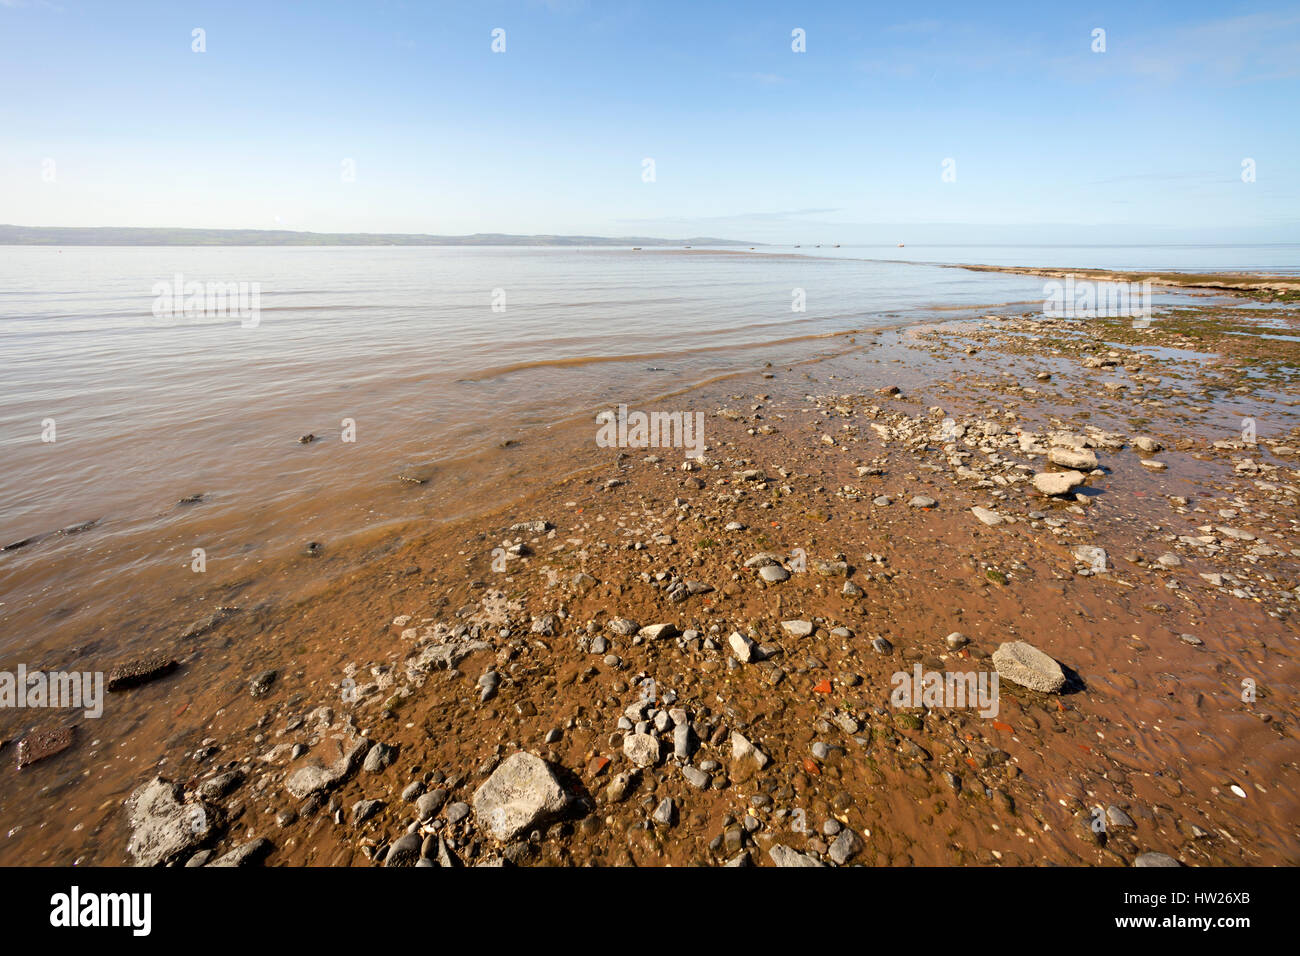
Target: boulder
(1058,482)
(1027,666)
(1080,459)
(165,825)
(521,794)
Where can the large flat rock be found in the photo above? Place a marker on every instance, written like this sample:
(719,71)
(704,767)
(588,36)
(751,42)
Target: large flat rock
(312,778)
(165,825)
(1027,666)
(1058,482)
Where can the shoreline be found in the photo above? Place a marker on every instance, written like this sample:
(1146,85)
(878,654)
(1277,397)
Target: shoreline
(1237,283)
(1024,793)
(392,504)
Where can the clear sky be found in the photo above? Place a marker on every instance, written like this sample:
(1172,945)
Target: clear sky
(108,117)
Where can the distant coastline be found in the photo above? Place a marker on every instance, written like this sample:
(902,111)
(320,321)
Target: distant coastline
(11,235)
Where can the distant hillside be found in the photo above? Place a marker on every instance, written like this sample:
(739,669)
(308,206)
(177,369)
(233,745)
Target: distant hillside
(115,236)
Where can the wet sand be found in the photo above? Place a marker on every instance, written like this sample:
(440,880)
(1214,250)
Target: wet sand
(1151,723)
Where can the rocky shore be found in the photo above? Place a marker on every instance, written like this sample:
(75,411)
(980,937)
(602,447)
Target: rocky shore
(669,661)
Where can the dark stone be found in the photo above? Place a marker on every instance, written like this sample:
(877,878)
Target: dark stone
(261,684)
(137,672)
(44,743)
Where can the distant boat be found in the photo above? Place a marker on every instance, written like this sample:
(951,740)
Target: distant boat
(796,245)
(900,245)
(636,248)
(837,245)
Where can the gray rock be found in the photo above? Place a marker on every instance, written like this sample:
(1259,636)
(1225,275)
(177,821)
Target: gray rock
(305,781)
(797,628)
(773,573)
(846,723)
(641,749)
(260,685)
(654,632)
(427,806)
(845,846)
(1155,859)
(1091,555)
(1079,459)
(405,851)
(665,813)
(922,501)
(1116,817)
(447,656)
(214,788)
(445,857)
(1027,666)
(165,825)
(246,854)
(683,741)
(363,810)
(697,778)
(742,647)
(782,855)
(521,793)
(618,787)
(413,790)
(1058,482)
(742,750)
(457,811)
(379,758)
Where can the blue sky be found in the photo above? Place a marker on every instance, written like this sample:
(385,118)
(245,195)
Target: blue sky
(844,142)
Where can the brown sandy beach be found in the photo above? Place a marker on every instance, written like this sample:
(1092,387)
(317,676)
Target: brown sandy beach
(347,707)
